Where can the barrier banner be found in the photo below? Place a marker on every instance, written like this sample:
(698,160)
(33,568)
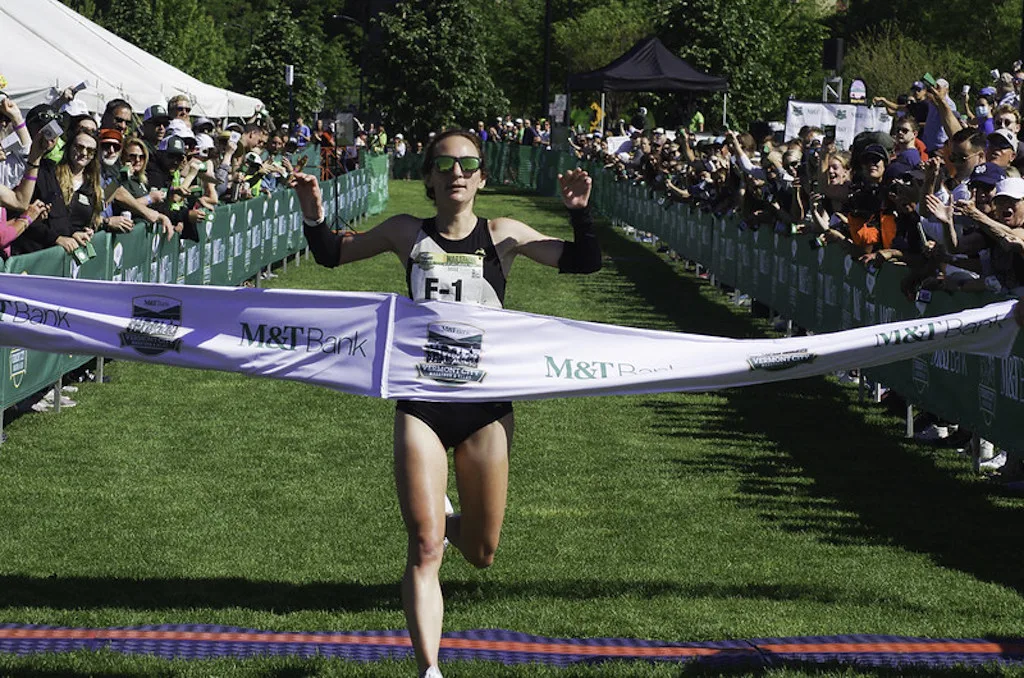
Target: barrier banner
(388,346)
(848,120)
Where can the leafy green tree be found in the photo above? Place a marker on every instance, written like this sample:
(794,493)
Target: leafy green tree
(428,71)
(278,40)
(888,61)
(511,36)
(340,77)
(769,50)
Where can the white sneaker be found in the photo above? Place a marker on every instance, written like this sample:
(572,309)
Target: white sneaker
(69,389)
(449,510)
(932,433)
(41,406)
(432,672)
(994,464)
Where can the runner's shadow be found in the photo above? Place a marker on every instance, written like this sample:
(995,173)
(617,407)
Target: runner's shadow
(84,593)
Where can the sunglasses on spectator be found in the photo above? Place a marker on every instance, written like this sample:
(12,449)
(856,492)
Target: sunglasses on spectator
(183,109)
(959,157)
(135,156)
(123,121)
(111,148)
(1004,122)
(446,163)
(85,150)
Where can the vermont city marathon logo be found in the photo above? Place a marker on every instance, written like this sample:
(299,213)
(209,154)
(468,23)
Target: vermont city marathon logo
(452,354)
(19,366)
(776,362)
(154,326)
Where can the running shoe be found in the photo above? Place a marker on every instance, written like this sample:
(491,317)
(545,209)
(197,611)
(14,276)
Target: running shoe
(449,510)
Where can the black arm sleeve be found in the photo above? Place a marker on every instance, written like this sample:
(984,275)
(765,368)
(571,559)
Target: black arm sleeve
(583,254)
(324,243)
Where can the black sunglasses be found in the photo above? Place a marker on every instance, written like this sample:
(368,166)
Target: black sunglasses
(446,163)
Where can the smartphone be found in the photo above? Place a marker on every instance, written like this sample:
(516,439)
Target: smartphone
(10,142)
(234,137)
(929,80)
(78,88)
(301,163)
(994,73)
(52,130)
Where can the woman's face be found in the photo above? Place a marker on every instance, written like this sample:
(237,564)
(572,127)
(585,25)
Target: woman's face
(874,168)
(456,185)
(134,157)
(83,150)
(836,173)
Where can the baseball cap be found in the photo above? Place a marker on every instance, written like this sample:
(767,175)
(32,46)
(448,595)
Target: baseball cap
(75,109)
(988,173)
(987,91)
(597,134)
(874,151)
(659,130)
(111,135)
(174,146)
(178,128)
(1012,187)
(235,127)
(399,136)
(203,125)
(519,121)
(155,112)
(1002,138)
(917,85)
(204,142)
(942,82)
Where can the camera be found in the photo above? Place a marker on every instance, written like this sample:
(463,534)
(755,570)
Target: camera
(923,296)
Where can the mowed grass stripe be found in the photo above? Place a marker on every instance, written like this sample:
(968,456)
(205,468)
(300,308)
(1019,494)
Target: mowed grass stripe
(181,496)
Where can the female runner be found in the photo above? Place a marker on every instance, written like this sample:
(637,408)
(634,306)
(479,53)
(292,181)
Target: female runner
(480,433)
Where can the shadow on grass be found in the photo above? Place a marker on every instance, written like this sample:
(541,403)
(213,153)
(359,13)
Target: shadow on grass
(82,593)
(896,494)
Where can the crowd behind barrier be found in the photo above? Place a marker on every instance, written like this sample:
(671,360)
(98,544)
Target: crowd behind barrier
(236,243)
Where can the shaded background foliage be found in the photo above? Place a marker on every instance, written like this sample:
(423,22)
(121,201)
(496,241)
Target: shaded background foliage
(420,65)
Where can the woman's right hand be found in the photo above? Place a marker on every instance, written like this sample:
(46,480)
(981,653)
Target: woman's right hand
(156,196)
(36,210)
(307,188)
(68,244)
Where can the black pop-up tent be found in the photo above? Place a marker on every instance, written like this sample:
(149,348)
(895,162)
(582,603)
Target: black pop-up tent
(648,67)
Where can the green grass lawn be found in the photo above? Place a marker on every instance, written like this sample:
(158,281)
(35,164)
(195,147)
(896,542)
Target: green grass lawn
(178,496)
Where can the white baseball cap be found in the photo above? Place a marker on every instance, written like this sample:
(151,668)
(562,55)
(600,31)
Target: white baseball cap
(1012,187)
(204,142)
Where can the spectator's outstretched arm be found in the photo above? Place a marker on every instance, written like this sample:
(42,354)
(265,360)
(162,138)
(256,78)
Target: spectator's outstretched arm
(890,107)
(950,122)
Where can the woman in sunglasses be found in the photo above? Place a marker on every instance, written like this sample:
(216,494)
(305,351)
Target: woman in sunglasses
(460,257)
(73,190)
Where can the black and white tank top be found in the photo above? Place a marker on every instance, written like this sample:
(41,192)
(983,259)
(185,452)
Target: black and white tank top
(466,270)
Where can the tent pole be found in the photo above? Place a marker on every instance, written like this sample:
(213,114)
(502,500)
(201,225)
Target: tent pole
(725,106)
(602,114)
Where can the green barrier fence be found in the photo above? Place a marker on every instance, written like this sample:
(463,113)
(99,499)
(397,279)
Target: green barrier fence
(824,290)
(236,242)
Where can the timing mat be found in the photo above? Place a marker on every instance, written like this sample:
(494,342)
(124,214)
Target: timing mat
(509,647)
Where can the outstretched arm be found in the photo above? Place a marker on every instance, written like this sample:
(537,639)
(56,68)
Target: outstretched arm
(332,249)
(583,253)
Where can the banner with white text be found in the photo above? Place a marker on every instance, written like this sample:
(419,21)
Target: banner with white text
(388,346)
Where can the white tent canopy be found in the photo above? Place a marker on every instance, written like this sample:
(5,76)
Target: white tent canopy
(48,45)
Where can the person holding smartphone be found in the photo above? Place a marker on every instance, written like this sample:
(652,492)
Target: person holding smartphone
(479,433)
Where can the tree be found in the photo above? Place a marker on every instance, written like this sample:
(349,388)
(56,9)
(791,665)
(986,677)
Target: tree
(277,40)
(889,61)
(511,35)
(428,70)
(769,50)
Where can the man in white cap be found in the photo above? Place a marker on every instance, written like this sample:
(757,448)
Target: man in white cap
(400,145)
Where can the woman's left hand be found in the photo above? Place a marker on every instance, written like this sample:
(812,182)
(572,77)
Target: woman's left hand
(575,185)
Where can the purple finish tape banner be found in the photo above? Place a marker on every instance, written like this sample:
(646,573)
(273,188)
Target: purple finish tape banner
(387,346)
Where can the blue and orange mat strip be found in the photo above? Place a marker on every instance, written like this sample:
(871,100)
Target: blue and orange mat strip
(508,647)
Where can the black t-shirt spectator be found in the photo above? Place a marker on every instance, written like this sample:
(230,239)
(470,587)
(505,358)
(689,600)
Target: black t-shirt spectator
(528,136)
(918,109)
(43,233)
